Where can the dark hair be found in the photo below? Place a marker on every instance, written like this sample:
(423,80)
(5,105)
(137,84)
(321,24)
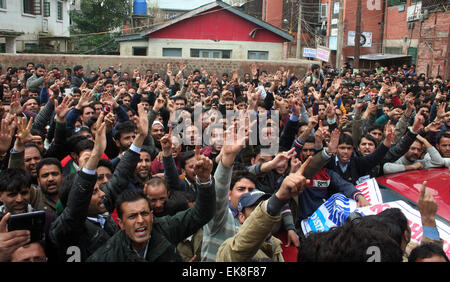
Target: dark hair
(368,137)
(39,66)
(180,98)
(106,163)
(378,223)
(310,139)
(108,81)
(30,98)
(124,127)
(77,68)
(35,131)
(129,195)
(345,139)
(240,174)
(240,99)
(348,243)
(442,135)
(185,156)
(30,144)
(83,144)
(426,250)
(48,161)
(397,216)
(14,179)
(375,126)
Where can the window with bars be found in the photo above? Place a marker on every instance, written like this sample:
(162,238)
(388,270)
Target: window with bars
(46,8)
(212,54)
(32,7)
(60,11)
(258,55)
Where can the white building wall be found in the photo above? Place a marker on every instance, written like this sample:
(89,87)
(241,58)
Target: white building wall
(12,18)
(126,47)
(239,49)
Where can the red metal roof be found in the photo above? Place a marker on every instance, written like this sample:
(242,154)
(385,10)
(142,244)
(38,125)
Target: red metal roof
(218,21)
(409,183)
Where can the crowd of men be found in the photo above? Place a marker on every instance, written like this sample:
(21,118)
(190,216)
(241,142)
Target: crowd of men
(146,166)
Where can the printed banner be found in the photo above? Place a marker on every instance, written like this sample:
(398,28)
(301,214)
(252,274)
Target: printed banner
(332,213)
(371,191)
(322,53)
(415,223)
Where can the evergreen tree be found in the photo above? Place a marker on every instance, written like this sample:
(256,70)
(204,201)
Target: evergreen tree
(102,20)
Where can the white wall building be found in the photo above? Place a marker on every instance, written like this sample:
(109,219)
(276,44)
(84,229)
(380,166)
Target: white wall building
(34,24)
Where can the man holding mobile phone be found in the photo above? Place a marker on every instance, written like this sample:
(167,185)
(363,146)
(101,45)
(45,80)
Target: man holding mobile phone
(15,186)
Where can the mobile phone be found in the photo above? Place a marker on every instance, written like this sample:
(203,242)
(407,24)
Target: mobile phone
(32,221)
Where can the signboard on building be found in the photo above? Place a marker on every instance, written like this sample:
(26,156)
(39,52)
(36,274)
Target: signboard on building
(309,53)
(323,53)
(366,39)
(414,12)
(332,43)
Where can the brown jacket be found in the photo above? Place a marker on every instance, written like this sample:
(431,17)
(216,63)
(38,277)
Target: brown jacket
(250,242)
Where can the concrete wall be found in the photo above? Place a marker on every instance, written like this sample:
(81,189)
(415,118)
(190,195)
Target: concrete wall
(239,48)
(157,65)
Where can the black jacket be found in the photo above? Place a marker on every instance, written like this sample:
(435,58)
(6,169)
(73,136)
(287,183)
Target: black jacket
(72,228)
(77,80)
(359,166)
(167,232)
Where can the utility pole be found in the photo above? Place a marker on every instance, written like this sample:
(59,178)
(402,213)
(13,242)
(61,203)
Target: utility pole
(340,39)
(357,35)
(299,30)
(131,16)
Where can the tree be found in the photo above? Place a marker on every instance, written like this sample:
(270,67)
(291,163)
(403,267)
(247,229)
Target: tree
(98,21)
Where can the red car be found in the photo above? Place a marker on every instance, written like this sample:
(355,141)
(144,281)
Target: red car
(406,186)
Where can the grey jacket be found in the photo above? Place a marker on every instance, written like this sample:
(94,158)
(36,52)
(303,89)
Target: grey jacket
(34,83)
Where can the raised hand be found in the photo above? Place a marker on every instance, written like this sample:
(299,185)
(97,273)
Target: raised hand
(235,140)
(100,135)
(159,104)
(295,164)
(427,206)
(15,107)
(433,127)
(62,109)
(23,132)
(7,127)
(294,184)
(441,111)
(85,100)
(142,125)
(166,143)
(419,121)
(389,134)
(334,141)
(202,168)
(279,158)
